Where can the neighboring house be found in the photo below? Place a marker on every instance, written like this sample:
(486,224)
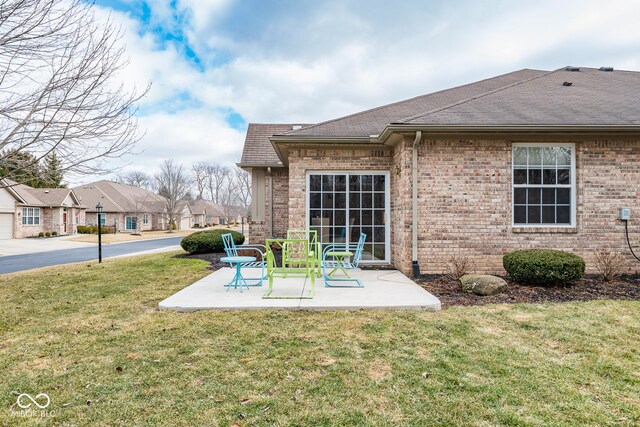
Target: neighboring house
(123,206)
(206,212)
(184,217)
(529,159)
(27,211)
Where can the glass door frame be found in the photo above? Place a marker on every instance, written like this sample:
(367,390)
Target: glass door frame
(387,223)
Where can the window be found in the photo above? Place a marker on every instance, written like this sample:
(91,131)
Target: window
(31,216)
(341,205)
(103,218)
(130,223)
(544,185)
(145,219)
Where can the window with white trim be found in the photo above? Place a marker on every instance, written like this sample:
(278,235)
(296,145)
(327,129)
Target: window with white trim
(543,185)
(30,216)
(145,218)
(130,223)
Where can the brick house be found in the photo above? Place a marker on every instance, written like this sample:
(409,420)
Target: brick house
(529,159)
(26,211)
(123,206)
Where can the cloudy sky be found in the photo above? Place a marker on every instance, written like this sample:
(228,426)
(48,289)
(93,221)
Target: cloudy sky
(216,65)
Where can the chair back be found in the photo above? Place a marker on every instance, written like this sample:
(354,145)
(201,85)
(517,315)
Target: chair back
(229,245)
(357,256)
(310,236)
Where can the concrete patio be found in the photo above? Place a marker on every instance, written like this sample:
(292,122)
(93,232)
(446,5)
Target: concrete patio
(383,289)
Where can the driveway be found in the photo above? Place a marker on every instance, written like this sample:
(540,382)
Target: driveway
(88,252)
(30,246)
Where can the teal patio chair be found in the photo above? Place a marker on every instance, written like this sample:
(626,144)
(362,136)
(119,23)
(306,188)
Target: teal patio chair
(259,251)
(342,257)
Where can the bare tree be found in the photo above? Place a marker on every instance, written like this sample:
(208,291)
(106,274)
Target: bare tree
(137,179)
(217,181)
(242,189)
(173,184)
(59,85)
(200,176)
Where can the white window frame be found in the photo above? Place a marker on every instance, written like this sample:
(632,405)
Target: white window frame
(387,210)
(573,199)
(33,213)
(145,218)
(126,224)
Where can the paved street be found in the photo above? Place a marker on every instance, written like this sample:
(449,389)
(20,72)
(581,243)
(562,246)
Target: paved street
(11,264)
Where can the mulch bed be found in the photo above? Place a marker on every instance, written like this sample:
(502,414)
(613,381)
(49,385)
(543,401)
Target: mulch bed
(449,291)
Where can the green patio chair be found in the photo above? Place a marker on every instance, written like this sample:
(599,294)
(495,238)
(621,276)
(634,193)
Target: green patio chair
(342,257)
(314,253)
(294,263)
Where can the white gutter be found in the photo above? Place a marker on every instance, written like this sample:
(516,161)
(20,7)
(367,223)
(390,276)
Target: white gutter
(414,205)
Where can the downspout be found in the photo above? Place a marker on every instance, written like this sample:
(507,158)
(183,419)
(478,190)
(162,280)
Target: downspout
(270,202)
(414,206)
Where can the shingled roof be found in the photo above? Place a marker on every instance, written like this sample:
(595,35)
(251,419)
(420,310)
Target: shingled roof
(593,97)
(590,97)
(257,147)
(116,197)
(372,122)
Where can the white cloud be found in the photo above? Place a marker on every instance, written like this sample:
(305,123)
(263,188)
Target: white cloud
(312,61)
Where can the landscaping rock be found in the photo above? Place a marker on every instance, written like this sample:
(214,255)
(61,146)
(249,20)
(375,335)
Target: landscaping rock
(482,284)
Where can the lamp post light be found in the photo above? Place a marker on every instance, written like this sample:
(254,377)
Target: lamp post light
(99,210)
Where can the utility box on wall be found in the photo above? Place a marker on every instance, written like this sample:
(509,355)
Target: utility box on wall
(625,214)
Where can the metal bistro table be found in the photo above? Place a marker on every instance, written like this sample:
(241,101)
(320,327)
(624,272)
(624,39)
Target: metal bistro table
(339,263)
(237,279)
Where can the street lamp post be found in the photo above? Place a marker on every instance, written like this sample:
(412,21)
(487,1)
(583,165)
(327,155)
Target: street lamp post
(99,210)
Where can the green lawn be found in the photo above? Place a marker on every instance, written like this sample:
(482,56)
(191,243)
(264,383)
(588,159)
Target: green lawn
(91,338)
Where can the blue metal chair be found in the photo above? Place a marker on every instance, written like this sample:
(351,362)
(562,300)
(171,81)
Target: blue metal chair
(260,252)
(342,257)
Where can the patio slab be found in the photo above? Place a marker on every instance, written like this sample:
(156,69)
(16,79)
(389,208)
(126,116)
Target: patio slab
(383,289)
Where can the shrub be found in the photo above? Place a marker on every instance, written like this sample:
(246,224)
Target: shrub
(106,229)
(174,226)
(54,233)
(458,266)
(83,229)
(543,266)
(41,234)
(47,234)
(208,241)
(196,225)
(608,263)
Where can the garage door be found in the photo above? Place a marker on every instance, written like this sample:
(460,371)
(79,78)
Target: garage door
(185,223)
(6,226)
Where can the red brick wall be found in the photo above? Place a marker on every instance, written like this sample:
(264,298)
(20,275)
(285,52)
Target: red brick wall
(465,203)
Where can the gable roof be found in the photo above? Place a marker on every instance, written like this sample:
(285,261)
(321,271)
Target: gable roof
(30,196)
(202,207)
(116,197)
(373,121)
(257,150)
(594,98)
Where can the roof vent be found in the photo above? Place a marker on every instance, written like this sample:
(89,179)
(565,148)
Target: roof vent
(606,68)
(572,69)
(567,83)
(296,127)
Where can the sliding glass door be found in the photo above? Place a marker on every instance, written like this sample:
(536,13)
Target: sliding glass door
(340,206)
